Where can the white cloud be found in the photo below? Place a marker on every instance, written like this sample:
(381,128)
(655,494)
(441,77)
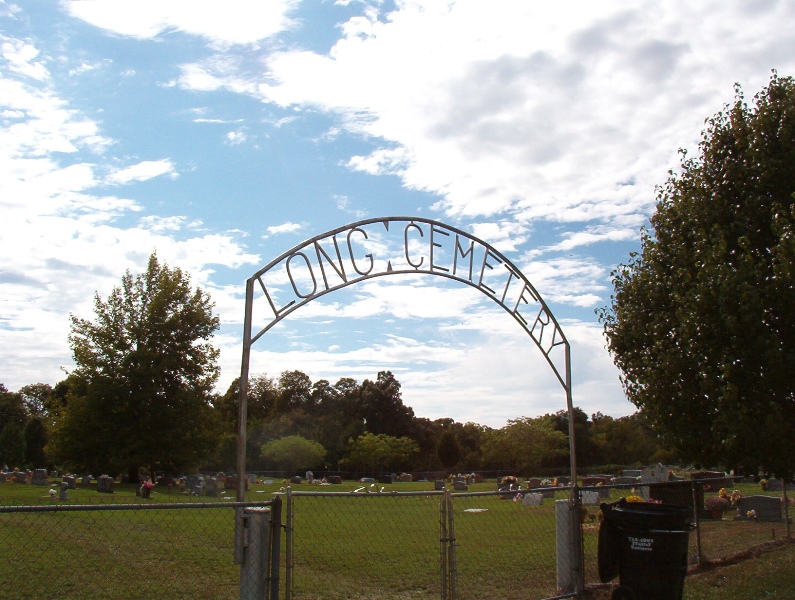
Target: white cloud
(143,171)
(284,228)
(545,110)
(231,23)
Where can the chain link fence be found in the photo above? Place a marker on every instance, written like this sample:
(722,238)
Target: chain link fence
(368,543)
(120,551)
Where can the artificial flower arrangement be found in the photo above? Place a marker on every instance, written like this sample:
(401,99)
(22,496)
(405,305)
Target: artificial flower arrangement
(714,503)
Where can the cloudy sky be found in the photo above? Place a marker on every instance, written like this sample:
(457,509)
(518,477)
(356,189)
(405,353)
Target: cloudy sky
(222,134)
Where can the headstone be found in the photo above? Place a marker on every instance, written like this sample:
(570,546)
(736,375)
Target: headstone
(631,473)
(590,498)
(335,479)
(713,480)
(194,486)
(533,499)
(438,484)
(387,479)
(625,480)
(592,480)
(63,494)
(295,479)
(367,480)
(40,477)
(776,485)
(53,473)
(533,483)
(85,480)
(547,492)
(70,480)
(766,508)
(657,474)
(105,484)
(310,476)
(3,478)
(460,486)
(405,478)
(20,477)
(677,492)
(210,487)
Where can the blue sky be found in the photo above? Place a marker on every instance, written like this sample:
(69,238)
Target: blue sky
(221,134)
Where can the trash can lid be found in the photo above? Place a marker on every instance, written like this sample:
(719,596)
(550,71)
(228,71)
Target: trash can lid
(646,515)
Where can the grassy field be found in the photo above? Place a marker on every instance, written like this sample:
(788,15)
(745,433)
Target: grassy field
(345,546)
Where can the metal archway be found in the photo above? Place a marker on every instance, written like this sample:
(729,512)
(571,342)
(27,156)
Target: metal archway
(360,251)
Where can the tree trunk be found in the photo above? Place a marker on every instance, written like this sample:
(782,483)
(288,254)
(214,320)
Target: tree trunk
(132,473)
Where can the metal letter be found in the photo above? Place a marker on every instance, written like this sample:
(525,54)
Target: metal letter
(292,281)
(406,244)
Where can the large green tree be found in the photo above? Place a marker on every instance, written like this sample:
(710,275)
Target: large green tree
(13,417)
(701,324)
(145,370)
(524,445)
(294,452)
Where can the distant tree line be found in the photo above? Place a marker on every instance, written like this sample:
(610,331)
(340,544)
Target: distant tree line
(295,424)
(141,399)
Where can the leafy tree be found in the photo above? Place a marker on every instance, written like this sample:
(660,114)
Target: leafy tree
(294,391)
(13,417)
(524,445)
(35,440)
(381,406)
(701,324)
(582,434)
(38,398)
(294,452)
(381,452)
(448,451)
(144,376)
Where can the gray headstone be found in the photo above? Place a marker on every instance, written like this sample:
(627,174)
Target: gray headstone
(767,508)
(105,484)
(590,498)
(533,499)
(40,477)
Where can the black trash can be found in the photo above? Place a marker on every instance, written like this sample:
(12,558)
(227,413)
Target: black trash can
(645,545)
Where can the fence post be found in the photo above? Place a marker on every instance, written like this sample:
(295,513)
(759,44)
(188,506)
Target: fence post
(570,575)
(288,558)
(254,572)
(443,564)
(694,492)
(448,499)
(276,543)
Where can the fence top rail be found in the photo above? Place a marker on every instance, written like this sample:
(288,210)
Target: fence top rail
(168,505)
(364,494)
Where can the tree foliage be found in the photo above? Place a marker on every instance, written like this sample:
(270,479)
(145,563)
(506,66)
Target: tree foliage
(378,451)
(525,445)
(294,452)
(145,371)
(701,324)
(448,450)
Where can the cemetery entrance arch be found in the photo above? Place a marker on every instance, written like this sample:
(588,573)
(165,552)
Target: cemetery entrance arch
(393,246)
